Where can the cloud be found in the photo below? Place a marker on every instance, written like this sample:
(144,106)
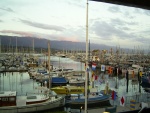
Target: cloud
(143,39)
(28,34)
(108,30)
(42,26)
(40,35)
(128,14)
(114,9)
(125,28)
(78,3)
(121,31)
(68,38)
(121,11)
(7,9)
(146,31)
(120,22)
(21,33)
(137,11)
(142,12)
(147,12)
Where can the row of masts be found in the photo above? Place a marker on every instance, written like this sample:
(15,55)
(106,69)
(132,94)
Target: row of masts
(10,48)
(114,54)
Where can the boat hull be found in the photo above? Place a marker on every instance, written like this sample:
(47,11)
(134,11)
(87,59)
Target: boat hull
(68,90)
(34,107)
(95,102)
(60,90)
(145,82)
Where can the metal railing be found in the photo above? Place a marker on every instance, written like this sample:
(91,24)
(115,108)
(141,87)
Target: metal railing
(141,97)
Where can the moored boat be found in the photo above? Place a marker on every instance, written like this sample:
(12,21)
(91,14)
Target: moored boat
(11,103)
(145,81)
(68,90)
(74,82)
(93,100)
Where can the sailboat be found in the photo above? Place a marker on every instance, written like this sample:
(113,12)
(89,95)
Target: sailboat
(94,99)
(68,90)
(10,102)
(88,99)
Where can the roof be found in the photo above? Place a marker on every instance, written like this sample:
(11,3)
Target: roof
(144,4)
(7,93)
(59,80)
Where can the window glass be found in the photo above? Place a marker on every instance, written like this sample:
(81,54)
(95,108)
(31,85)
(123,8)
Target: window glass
(12,99)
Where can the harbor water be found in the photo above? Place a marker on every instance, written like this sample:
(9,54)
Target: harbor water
(21,82)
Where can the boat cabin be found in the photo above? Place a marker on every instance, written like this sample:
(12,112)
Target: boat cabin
(7,98)
(32,65)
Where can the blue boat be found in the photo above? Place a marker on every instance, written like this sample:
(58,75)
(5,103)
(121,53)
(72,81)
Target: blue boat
(146,81)
(94,100)
(56,81)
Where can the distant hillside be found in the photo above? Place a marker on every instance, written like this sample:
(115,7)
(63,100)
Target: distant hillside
(42,43)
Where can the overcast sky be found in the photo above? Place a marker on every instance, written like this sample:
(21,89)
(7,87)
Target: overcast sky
(109,24)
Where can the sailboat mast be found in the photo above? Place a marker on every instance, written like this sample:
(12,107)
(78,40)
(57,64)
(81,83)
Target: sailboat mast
(10,45)
(86,73)
(0,45)
(16,46)
(49,62)
(89,51)
(33,45)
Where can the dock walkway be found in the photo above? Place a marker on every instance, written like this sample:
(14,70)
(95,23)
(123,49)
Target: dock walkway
(119,109)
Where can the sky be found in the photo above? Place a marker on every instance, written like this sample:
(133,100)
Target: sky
(108,24)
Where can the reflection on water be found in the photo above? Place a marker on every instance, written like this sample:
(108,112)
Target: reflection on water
(66,63)
(16,81)
(21,82)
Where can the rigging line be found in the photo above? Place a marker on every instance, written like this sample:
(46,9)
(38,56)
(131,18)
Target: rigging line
(16,80)
(33,83)
(3,81)
(9,82)
(86,73)
(21,78)
(11,77)
(0,81)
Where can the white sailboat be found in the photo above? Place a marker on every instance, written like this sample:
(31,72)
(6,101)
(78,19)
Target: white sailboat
(16,46)
(0,45)
(86,73)
(10,102)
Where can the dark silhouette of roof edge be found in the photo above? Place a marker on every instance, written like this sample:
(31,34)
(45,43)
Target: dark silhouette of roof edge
(144,4)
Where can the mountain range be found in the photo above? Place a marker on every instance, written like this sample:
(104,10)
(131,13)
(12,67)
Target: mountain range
(42,43)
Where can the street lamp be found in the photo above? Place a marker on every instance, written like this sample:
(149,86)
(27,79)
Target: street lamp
(80,109)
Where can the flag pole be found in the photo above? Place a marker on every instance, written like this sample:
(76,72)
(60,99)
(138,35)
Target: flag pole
(49,66)
(86,73)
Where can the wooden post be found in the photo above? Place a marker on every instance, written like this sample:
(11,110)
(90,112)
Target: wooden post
(127,78)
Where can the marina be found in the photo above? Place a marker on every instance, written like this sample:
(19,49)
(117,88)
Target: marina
(24,84)
(92,66)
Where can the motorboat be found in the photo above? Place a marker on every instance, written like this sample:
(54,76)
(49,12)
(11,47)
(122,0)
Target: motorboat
(10,102)
(68,90)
